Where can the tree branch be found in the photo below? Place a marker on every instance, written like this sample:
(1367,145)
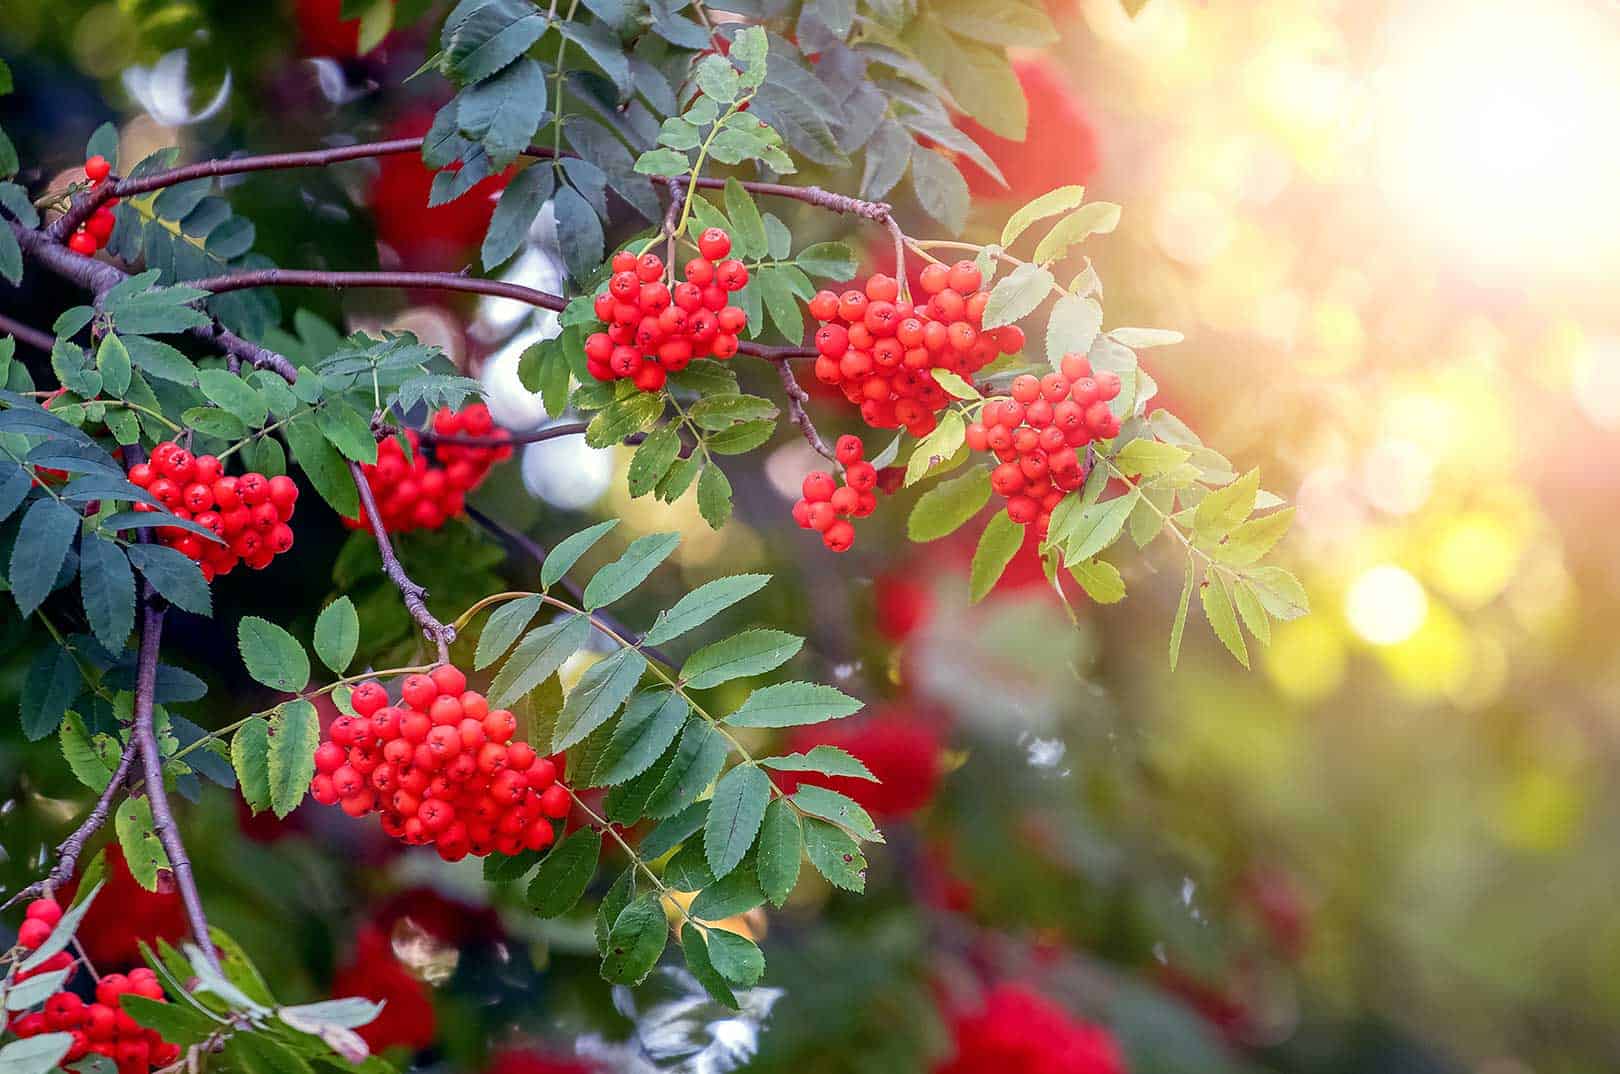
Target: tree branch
(40,341)
(92,199)
(797,397)
(68,851)
(440,634)
(98,277)
(144,736)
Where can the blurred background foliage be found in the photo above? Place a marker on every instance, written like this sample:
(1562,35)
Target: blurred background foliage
(1387,231)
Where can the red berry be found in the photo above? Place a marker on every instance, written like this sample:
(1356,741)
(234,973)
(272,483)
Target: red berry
(83,244)
(714,243)
(97,168)
(33,932)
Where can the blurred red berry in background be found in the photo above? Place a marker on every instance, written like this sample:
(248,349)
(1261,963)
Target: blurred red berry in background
(427,238)
(1060,147)
(407,1018)
(899,746)
(124,914)
(535,1061)
(1020,1030)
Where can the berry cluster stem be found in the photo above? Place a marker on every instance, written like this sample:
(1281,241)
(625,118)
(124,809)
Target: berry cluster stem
(410,592)
(144,736)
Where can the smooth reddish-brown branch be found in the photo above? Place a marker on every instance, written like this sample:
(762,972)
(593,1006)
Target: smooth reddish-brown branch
(69,849)
(95,197)
(412,593)
(40,341)
(98,277)
(144,735)
(532,436)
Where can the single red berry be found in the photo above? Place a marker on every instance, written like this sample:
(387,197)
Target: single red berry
(849,449)
(97,168)
(82,244)
(714,243)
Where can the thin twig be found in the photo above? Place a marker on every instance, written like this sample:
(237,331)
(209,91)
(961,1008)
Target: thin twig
(98,277)
(68,851)
(40,341)
(436,281)
(145,736)
(532,436)
(410,592)
(797,397)
(537,552)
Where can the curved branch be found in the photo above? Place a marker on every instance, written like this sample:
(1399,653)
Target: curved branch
(144,736)
(68,851)
(98,277)
(410,592)
(96,196)
(797,397)
(40,341)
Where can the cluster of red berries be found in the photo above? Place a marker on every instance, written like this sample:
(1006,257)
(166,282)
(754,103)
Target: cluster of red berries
(415,494)
(879,349)
(827,507)
(102,1027)
(441,768)
(250,513)
(1037,432)
(93,234)
(652,331)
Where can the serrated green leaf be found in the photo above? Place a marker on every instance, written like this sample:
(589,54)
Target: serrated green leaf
(272,656)
(601,690)
(650,723)
(294,732)
(1073,327)
(703,604)
(1252,539)
(346,429)
(1016,295)
(1001,540)
(635,941)
(48,691)
(714,496)
(1219,513)
(937,448)
(232,394)
(42,544)
(735,957)
(564,873)
(175,576)
(828,760)
(138,838)
(696,951)
(1218,610)
(1149,458)
(781,848)
(107,588)
(560,560)
(630,569)
(652,459)
(322,463)
(88,764)
(502,629)
(695,762)
(250,757)
(538,656)
(1097,218)
(752,652)
(836,807)
(793,704)
(945,507)
(1094,528)
(1051,203)
(736,893)
(735,812)
(113,363)
(1278,592)
(337,634)
(835,855)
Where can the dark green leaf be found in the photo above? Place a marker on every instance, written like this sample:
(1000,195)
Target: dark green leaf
(781,846)
(835,855)
(793,704)
(564,873)
(735,957)
(250,757)
(945,507)
(560,560)
(829,760)
(502,629)
(42,545)
(650,723)
(540,653)
(702,604)
(295,731)
(735,812)
(337,634)
(635,941)
(735,894)
(519,204)
(696,951)
(753,652)
(600,692)
(107,588)
(630,569)
(48,691)
(272,655)
(698,758)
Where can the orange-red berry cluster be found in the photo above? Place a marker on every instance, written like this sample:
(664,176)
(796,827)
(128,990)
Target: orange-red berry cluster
(879,349)
(102,1027)
(93,234)
(827,506)
(1037,433)
(653,331)
(415,494)
(440,767)
(249,512)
